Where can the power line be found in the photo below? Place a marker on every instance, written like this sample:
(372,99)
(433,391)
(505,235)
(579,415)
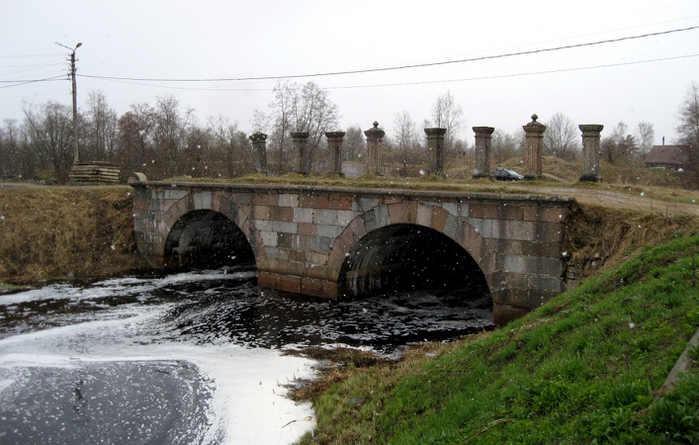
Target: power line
(531,73)
(19,82)
(407,66)
(31,56)
(16,83)
(468,79)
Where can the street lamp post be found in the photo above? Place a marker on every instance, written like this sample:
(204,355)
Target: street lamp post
(76,155)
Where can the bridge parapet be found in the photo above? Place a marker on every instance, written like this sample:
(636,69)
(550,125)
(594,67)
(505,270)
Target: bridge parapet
(302,236)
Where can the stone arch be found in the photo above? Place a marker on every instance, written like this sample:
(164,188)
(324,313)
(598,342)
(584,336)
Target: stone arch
(427,215)
(217,202)
(205,238)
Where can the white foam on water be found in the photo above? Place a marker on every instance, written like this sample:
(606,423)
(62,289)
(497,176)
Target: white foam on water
(248,403)
(118,287)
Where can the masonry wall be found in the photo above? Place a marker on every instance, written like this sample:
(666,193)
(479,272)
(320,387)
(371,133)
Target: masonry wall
(301,235)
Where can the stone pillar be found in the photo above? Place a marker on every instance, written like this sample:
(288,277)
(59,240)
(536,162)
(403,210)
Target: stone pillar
(373,142)
(484,139)
(300,140)
(590,152)
(259,152)
(534,136)
(435,146)
(335,145)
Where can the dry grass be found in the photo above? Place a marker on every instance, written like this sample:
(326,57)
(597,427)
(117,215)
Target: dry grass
(599,237)
(66,232)
(339,364)
(334,366)
(658,183)
(620,174)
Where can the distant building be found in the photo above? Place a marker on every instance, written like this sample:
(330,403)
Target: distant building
(670,157)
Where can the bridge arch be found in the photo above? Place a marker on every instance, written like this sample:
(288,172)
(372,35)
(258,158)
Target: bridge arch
(406,217)
(205,238)
(210,223)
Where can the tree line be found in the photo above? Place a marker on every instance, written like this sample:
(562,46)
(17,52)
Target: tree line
(161,140)
(166,140)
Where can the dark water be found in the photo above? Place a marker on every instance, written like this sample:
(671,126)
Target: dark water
(37,408)
(162,359)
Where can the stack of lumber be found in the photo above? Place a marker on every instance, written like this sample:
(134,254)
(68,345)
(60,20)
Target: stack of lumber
(95,172)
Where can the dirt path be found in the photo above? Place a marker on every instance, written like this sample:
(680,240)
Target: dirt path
(616,199)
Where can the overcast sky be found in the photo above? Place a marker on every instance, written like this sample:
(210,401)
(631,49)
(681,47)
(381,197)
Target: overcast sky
(632,79)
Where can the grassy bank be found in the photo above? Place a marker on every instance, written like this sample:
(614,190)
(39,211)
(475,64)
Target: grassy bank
(585,368)
(55,232)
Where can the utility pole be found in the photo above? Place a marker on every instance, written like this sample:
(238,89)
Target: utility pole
(76,155)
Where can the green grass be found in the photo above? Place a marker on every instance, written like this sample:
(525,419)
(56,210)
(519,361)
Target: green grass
(585,368)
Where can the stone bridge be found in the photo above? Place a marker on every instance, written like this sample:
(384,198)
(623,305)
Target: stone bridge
(336,241)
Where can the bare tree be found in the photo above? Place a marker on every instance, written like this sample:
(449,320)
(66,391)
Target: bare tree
(100,132)
(562,138)
(446,113)
(280,122)
(196,156)
(8,156)
(50,133)
(407,140)
(405,131)
(261,121)
(619,145)
(688,128)
(354,143)
(17,160)
(506,146)
(170,135)
(645,137)
(688,115)
(316,115)
(300,108)
(135,151)
(231,148)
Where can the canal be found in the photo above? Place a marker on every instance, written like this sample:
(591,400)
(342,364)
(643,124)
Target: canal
(192,357)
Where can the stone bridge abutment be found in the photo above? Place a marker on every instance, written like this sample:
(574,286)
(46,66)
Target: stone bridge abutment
(329,241)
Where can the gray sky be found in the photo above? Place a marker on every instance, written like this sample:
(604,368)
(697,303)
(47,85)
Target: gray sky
(638,79)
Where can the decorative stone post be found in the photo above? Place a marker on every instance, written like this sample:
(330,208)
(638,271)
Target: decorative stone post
(259,152)
(484,139)
(590,152)
(435,145)
(534,136)
(335,145)
(373,142)
(300,139)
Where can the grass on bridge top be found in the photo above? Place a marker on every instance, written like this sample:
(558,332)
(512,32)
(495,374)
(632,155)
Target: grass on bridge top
(546,186)
(560,177)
